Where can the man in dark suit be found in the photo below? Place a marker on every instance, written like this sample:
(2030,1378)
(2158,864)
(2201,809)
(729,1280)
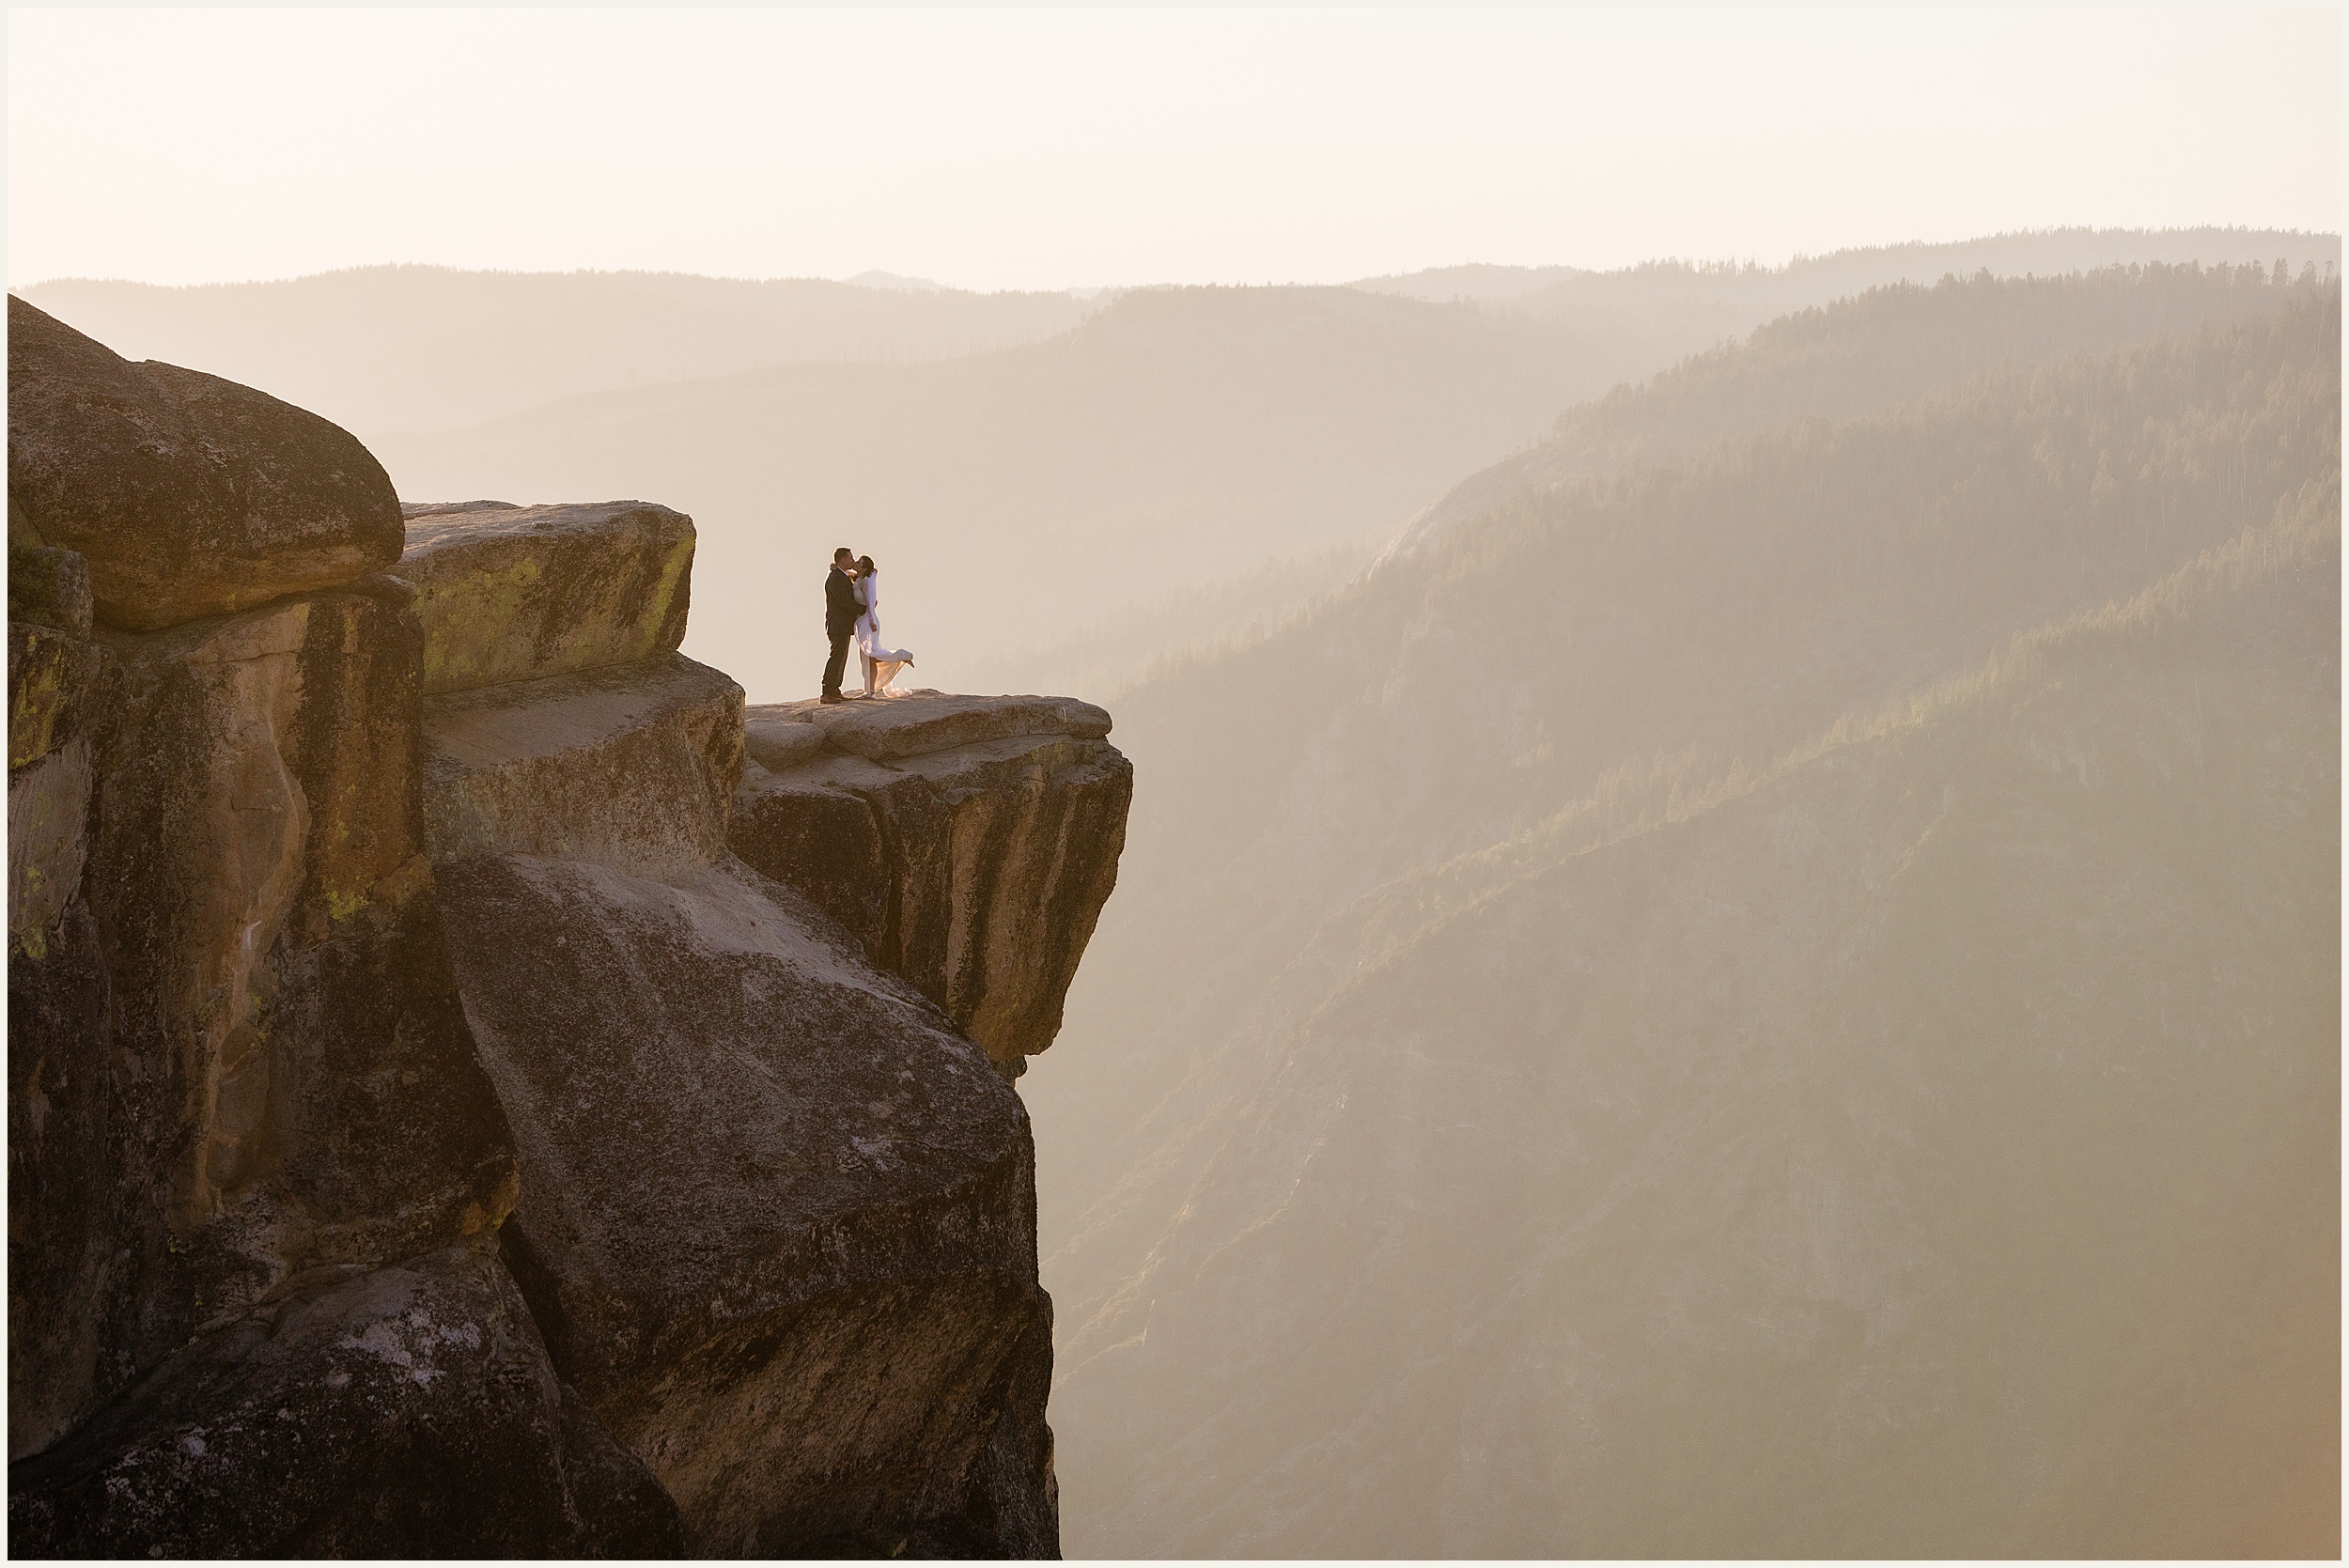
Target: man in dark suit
(841,610)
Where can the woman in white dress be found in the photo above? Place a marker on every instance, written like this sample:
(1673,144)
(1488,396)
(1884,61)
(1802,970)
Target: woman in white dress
(881,664)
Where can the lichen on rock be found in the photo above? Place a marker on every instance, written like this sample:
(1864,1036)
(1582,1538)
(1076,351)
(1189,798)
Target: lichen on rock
(629,766)
(512,593)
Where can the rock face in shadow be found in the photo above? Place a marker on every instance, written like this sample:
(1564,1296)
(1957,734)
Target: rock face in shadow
(48,587)
(427,1378)
(968,843)
(60,1108)
(249,1137)
(186,494)
(777,1223)
(780,1222)
(512,593)
(280,1076)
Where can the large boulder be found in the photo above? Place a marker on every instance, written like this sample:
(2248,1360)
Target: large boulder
(779,1223)
(779,1216)
(968,842)
(400,1411)
(188,495)
(510,593)
(238,1053)
(630,766)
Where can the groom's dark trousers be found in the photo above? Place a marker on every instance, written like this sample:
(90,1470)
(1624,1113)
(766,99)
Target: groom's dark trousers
(838,663)
(841,610)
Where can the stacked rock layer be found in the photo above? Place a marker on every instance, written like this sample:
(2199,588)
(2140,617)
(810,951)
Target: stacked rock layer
(446,1116)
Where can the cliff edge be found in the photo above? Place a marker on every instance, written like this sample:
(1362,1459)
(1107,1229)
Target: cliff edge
(475,1088)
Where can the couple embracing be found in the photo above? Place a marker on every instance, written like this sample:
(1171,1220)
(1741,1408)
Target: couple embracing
(853,609)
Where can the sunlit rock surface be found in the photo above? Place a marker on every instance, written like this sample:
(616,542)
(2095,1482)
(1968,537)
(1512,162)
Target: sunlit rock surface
(187,495)
(968,843)
(508,593)
(628,765)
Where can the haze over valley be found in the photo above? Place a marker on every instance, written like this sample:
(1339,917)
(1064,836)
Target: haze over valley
(1099,487)
(1724,1005)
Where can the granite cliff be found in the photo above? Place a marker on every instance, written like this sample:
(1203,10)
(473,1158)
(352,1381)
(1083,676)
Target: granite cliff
(470,1091)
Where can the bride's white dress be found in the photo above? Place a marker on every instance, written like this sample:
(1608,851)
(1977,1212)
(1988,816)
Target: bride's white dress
(881,663)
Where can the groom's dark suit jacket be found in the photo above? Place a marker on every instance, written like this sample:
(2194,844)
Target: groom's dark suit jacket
(841,605)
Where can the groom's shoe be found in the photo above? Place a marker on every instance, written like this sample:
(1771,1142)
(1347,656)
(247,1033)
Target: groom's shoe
(834,697)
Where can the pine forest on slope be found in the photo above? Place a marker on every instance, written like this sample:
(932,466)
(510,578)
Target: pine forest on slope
(1602,1047)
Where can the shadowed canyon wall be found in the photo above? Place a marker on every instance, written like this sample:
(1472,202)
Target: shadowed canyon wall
(427,1136)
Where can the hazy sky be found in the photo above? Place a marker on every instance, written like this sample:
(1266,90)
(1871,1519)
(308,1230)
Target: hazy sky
(1073,147)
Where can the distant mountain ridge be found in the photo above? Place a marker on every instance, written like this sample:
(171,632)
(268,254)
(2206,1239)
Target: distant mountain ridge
(1177,440)
(384,350)
(1834,274)
(394,350)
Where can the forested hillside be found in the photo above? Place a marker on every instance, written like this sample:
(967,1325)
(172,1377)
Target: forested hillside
(1718,1006)
(1751,292)
(1865,352)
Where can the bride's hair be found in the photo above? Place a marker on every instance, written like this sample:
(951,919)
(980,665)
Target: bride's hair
(865,565)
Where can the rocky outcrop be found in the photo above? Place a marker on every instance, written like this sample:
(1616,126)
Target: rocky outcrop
(629,766)
(778,1221)
(968,842)
(187,495)
(278,1075)
(508,593)
(779,1218)
(428,1136)
(48,587)
(237,1052)
(424,1381)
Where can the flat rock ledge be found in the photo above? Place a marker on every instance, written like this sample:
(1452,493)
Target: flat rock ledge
(968,843)
(784,735)
(629,766)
